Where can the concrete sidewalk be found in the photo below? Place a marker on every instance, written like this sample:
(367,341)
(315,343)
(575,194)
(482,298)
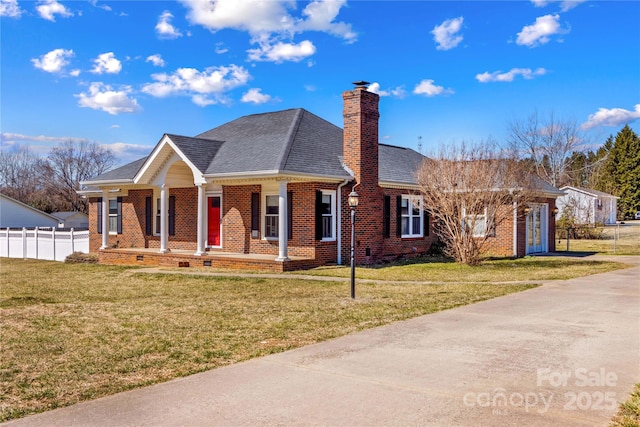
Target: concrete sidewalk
(565,353)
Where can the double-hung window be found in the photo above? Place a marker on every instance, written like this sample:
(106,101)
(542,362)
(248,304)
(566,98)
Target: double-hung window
(328,212)
(476,222)
(113,216)
(411,216)
(158,216)
(272,209)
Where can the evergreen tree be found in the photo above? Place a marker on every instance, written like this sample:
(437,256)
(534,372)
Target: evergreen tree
(620,174)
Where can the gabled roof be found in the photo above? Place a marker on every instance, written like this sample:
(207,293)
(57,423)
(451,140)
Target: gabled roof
(589,191)
(282,141)
(7,199)
(291,141)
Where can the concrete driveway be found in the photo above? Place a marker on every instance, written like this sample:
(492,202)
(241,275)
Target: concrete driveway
(565,354)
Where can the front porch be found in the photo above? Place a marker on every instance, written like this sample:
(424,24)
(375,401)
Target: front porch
(184,258)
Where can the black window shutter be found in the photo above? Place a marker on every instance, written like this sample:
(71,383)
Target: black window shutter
(426,222)
(399,216)
(172,215)
(386,228)
(119,230)
(289,215)
(99,215)
(318,215)
(148,209)
(255,213)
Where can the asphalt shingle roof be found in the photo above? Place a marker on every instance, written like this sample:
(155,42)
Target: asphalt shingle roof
(288,141)
(125,172)
(398,164)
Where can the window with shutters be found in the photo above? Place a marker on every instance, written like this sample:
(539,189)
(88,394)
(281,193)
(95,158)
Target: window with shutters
(271,214)
(411,214)
(113,216)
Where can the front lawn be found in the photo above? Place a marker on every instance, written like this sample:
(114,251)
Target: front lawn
(501,270)
(74,332)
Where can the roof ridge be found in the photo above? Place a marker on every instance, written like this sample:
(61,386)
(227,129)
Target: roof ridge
(293,130)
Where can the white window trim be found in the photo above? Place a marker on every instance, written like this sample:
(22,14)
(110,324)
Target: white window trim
(156,213)
(206,198)
(331,193)
(264,216)
(484,216)
(112,232)
(411,199)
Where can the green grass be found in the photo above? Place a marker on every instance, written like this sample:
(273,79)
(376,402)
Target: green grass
(502,270)
(629,411)
(74,332)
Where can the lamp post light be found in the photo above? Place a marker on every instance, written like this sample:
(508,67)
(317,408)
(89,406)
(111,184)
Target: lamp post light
(353,203)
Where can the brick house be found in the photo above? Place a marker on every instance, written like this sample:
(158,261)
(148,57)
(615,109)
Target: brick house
(269,191)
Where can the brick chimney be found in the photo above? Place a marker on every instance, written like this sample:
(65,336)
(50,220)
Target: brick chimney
(360,143)
(360,152)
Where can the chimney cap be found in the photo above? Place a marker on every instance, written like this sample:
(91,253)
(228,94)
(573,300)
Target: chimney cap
(361,83)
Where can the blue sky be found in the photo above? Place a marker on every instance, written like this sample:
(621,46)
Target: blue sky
(122,73)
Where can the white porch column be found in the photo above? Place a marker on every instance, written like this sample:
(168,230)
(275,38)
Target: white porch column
(202,226)
(164,219)
(282,223)
(105,219)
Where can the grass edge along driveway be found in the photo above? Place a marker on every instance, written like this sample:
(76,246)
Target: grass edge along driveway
(72,333)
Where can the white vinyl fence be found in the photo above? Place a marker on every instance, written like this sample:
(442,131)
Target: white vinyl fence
(42,243)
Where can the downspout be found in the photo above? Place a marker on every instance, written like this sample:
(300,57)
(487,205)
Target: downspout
(339,214)
(515,229)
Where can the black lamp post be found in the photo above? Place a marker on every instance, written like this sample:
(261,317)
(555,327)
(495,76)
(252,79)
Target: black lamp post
(353,203)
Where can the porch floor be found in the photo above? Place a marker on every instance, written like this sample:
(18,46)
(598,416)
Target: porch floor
(186,258)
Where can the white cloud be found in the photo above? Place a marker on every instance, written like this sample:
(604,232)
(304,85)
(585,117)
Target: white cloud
(320,16)
(156,60)
(54,61)
(564,4)
(426,87)
(103,97)
(397,92)
(164,28)
(220,49)
(100,6)
(280,52)
(498,76)
(611,117)
(120,149)
(74,73)
(539,32)
(106,63)
(48,9)
(271,24)
(255,96)
(446,35)
(10,9)
(205,87)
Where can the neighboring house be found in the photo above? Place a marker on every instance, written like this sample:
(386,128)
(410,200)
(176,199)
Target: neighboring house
(270,191)
(587,206)
(75,220)
(15,214)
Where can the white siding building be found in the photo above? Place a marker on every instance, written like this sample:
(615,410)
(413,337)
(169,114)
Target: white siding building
(15,214)
(587,206)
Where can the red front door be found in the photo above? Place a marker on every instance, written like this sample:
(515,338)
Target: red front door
(213,215)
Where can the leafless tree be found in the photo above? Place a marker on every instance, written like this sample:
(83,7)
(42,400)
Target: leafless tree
(547,142)
(22,178)
(70,163)
(469,191)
